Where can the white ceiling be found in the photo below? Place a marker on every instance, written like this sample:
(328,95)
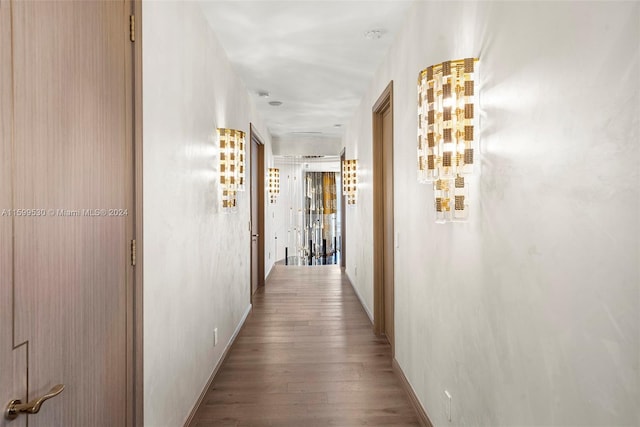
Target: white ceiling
(312,55)
(310,163)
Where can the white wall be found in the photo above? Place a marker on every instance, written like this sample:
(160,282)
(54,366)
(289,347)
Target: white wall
(270,212)
(528,314)
(196,259)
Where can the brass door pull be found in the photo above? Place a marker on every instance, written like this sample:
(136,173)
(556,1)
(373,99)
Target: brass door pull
(16,407)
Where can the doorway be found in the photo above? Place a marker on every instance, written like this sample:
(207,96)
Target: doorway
(308,211)
(383,234)
(68,230)
(257,211)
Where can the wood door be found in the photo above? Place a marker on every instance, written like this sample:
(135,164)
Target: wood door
(387,191)
(383,234)
(257,210)
(71,160)
(12,363)
(255,232)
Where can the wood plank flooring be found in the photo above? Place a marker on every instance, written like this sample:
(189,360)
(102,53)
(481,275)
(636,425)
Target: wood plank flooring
(306,357)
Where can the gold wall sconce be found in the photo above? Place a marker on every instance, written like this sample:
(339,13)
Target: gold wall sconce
(447,121)
(350,180)
(231,166)
(274,184)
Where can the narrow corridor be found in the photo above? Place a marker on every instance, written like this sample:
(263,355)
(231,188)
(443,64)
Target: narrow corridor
(306,357)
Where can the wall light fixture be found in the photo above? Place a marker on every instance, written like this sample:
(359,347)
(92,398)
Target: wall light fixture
(350,180)
(447,120)
(274,184)
(231,166)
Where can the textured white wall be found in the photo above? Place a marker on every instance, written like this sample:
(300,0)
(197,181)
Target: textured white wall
(197,260)
(529,313)
(270,212)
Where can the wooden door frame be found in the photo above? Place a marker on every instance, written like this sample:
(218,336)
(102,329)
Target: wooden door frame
(380,217)
(136,376)
(254,137)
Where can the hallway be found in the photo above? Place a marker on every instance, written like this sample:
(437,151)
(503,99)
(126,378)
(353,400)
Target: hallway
(306,356)
(473,165)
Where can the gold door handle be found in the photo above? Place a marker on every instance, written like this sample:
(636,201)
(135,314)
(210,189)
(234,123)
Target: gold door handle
(16,407)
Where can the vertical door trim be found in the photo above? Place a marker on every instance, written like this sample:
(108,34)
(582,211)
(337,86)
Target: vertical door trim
(137,376)
(254,137)
(380,163)
(15,384)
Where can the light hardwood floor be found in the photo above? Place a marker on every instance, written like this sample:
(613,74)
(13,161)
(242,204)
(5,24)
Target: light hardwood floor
(306,357)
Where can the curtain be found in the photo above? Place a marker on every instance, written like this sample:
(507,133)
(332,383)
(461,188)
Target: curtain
(329,192)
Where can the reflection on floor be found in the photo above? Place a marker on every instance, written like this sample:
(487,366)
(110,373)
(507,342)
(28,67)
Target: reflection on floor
(306,357)
(333,259)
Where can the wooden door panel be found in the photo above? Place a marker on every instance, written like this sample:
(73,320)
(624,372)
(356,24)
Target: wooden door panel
(73,160)
(387,172)
(13,381)
(257,211)
(383,236)
(255,228)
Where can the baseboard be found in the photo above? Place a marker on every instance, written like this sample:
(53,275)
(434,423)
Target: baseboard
(266,279)
(225,353)
(423,418)
(364,306)
(415,402)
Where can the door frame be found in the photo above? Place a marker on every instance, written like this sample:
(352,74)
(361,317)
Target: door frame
(381,219)
(254,137)
(136,377)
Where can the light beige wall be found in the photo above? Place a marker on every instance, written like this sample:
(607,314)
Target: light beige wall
(197,260)
(529,313)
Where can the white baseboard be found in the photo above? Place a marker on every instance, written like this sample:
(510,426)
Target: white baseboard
(423,417)
(362,303)
(223,356)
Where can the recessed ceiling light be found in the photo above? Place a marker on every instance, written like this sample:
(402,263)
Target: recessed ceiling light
(373,34)
(275,103)
(337,125)
(263,94)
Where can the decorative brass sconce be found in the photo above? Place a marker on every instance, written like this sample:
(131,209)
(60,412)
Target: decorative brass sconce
(274,184)
(231,166)
(350,180)
(447,121)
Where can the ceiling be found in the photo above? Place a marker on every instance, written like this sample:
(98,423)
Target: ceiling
(310,163)
(314,56)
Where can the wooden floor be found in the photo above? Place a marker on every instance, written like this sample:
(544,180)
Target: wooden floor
(306,357)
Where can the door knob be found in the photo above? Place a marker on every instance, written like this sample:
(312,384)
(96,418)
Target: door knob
(255,235)
(16,407)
